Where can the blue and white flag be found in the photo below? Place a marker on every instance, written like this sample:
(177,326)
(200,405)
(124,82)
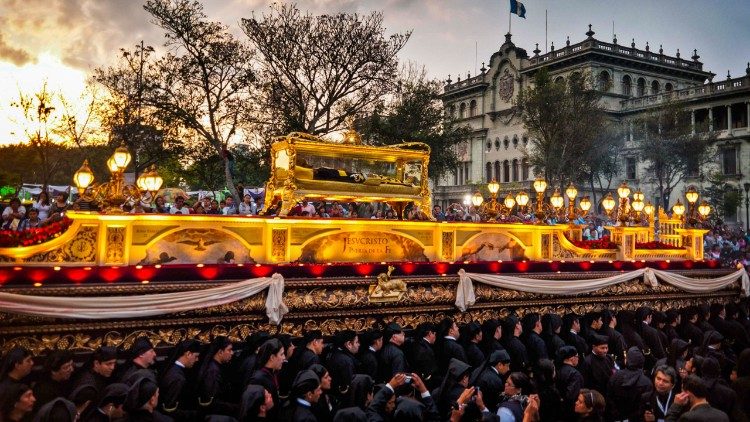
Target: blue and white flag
(518,8)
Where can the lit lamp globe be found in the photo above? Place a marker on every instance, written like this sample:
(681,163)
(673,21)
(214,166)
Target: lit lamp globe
(623,191)
(691,195)
(83,177)
(608,202)
(467,200)
(648,209)
(111,165)
(678,208)
(557,200)
(637,205)
(493,186)
(638,196)
(571,192)
(540,185)
(121,157)
(150,181)
(704,209)
(585,204)
(509,202)
(522,199)
(477,199)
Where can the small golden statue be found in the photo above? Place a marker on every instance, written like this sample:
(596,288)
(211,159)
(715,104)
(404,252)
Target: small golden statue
(387,290)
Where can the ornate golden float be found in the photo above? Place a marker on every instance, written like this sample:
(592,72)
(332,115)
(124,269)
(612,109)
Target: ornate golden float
(337,273)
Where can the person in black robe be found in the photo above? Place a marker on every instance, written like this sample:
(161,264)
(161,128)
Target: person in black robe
(704,313)
(490,378)
(372,342)
(16,366)
(255,404)
(98,371)
(456,380)
(306,392)
(342,362)
(571,330)
(249,356)
(110,404)
(617,345)
(142,356)
(651,338)
(519,358)
(57,410)
(309,355)
(550,402)
(599,365)
(492,331)
(713,347)
(392,359)
(535,346)
(688,328)
(448,346)
(58,368)
(177,398)
(626,387)
(142,400)
(327,405)
(720,395)
(473,336)
(551,327)
(569,381)
(671,323)
(655,405)
(214,393)
(423,359)
(360,392)
(736,331)
(267,373)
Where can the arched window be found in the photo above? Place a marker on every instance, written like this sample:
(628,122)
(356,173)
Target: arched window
(525,140)
(515,141)
(506,142)
(473,108)
(462,111)
(668,87)
(506,171)
(489,146)
(515,170)
(488,171)
(452,112)
(497,174)
(497,144)
(627,84)
(602,81)
(654,87)
(641,89)
(525,169)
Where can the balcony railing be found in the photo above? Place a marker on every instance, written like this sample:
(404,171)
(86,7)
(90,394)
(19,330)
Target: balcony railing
(736,84)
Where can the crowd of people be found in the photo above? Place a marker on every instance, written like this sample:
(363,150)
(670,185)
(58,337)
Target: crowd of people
(729,244)
(691,364)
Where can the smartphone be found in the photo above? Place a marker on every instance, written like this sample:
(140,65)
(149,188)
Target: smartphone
(408,379)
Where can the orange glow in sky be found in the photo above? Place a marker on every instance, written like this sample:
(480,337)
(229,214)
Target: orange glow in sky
(29,78)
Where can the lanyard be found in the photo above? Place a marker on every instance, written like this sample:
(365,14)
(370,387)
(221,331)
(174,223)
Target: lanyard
(664,407)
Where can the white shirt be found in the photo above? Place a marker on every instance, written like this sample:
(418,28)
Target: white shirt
(43,210)
(183,210)
(8,210)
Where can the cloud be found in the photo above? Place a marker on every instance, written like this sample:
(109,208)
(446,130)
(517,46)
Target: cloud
(17,56)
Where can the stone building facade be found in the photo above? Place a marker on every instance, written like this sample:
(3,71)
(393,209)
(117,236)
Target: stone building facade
(633,81)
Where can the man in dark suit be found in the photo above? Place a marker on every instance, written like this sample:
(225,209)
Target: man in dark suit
(569,380)
(599,365)
(450,348)
(423,357)
(474,355)
(341,362)
(535,347)
(372,342)
(691,405)
(491,378)
(392,359)
(650,335)
(176,397)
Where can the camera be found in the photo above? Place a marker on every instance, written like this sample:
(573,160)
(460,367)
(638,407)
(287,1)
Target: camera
(407,379)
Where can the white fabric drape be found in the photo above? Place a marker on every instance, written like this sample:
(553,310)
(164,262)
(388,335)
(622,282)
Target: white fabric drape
(110,307)
(465,292)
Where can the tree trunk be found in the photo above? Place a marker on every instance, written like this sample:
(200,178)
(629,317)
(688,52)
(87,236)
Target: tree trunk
(230,180)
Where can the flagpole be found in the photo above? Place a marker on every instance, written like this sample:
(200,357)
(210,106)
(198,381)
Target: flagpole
(509,22)
(545,31)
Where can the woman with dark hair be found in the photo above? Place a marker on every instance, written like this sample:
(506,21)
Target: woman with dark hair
(550,401)
(326,406)
(515,397)
(269,361)
(17,365)
(455,382)
(677,353)
(551,327)
(472,336)
(255,404)
(16,401)
(55,380)
(590,406)
(43,205)
(59,206)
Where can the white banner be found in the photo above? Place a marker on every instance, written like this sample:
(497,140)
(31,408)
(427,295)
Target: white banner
(111,307)
(465,292)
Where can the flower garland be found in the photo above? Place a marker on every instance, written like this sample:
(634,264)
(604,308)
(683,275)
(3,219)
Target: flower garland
(656,245)
(34,236)
(603,243)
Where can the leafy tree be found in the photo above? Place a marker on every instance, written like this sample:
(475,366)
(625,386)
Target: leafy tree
(565,122)
(724,198)
(415,113)
(665,141)
(322,70)
(202,85)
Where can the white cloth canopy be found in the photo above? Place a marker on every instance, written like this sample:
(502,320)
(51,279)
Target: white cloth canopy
(110,307)
(465,292)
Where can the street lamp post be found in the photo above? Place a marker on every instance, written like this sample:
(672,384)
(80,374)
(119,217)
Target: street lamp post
(747,206)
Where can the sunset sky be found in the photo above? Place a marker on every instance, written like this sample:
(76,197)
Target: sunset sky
(61,41)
